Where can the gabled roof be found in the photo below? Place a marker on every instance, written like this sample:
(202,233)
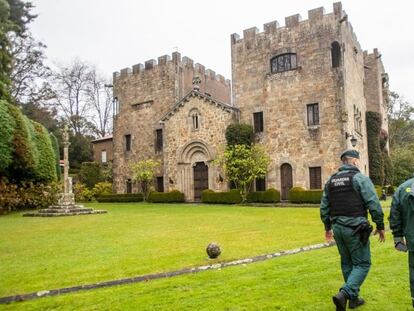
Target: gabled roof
(109,137)
(195,93)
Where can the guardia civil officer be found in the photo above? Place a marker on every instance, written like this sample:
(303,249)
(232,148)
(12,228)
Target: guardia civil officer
(402,224)
(347,196)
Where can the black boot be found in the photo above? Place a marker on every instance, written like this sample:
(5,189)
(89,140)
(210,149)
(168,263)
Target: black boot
(340,301)
(355,303)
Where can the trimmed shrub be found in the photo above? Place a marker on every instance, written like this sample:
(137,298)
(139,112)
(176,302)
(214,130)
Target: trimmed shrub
(230,197)
(82,193)
(46,165)
(376,163)
(90,174)
(6,133)
(102,188)
(25,152)
(27,196)
(174,196)
(55,146)
(239,134)
(121,197)
(300,195)
(269,196)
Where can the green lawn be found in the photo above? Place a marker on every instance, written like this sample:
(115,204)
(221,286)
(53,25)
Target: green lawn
(39,253)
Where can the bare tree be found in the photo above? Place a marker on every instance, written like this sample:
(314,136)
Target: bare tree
(82,98)
(100,98)
(29,74)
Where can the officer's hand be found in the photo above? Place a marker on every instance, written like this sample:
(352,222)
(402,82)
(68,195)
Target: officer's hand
(328,235)
(401,247)
(381,234)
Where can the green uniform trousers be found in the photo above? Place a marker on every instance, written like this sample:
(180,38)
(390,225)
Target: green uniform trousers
(355,259)
(411,266)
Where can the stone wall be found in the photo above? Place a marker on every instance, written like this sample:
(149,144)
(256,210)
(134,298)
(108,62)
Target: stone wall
(144,94)
(283,97)
(100,145)
(184,145)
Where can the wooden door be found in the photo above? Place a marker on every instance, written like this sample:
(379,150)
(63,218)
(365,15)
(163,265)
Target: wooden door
(200,179)
(286,180)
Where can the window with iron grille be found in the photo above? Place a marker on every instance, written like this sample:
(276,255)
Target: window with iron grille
(260,184)
(128,142)
(313,114)
(258,122)
(158,142)
(283,62)
(315,180)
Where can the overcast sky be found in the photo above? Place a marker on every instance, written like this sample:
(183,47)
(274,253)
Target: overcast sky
(120,33)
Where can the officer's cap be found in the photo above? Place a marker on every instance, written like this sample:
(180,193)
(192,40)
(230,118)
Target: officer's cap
(351,153)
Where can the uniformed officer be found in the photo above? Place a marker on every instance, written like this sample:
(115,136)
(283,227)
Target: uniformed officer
(402,224)
(347,196)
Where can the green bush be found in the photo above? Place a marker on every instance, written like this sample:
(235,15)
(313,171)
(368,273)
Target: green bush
(25,153)
(121,197)
(239,134)
(174,196)
(376,161)
(46,166)
(269,196)
(55,146)
(27,195)
(90,174)
(6,133)
(300,195)
(82,193)
(230,197)
(390,190)
(102,188)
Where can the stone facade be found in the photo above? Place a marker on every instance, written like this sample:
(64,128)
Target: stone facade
(328,72)
(102,149)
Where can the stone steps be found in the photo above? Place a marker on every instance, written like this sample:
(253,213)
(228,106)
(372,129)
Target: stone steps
(66,210)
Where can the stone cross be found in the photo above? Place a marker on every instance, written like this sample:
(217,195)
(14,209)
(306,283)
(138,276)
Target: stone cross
(67,185)
(196,83)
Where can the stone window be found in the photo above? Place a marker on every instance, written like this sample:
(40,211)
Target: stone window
(336,54)
(260,184)
(115,108)
(357,120)
(258,122)
(103,156)
(158,140)
(160,183)
(315,180)
(129,186)
(195,119)
(283,62)
(313,114)
(128,142)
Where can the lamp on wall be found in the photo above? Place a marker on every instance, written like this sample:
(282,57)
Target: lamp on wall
(354,140)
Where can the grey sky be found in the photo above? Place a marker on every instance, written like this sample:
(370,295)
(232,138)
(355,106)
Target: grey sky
(121,33)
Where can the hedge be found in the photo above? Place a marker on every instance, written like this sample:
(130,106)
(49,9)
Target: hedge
(55,146)
(230,197)
(121,197)
(25,153)
(46,165)
(376,162)
(90,174)
(300,195)
(6,133)
(174,196)
(269,196)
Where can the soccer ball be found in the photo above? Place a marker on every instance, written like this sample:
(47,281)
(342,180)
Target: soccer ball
(213,250)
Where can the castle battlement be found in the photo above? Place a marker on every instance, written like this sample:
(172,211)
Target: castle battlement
(166,61)
(291,22)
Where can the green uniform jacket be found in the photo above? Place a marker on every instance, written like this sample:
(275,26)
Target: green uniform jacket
(402,213)
(362,185)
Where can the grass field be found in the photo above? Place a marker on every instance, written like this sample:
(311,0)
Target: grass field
(46,253)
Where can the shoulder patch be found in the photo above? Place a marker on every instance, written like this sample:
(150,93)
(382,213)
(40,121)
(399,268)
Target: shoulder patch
(408,190)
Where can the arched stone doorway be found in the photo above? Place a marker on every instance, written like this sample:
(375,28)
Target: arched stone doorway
(286,180)
(194,171)
(200,172)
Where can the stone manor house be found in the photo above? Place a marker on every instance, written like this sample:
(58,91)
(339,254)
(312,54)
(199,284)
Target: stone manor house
(305,88)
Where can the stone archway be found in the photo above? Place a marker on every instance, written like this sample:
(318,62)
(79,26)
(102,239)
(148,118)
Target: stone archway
(194,169)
